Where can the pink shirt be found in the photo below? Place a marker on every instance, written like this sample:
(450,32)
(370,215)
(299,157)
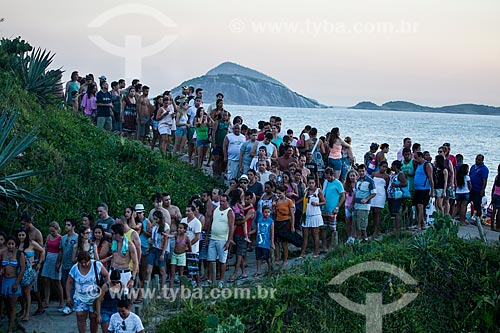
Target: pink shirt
(89,104)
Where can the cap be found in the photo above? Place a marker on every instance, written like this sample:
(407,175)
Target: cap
(185,87)
(373,145)
(139,208)
(243,177)
(446,144)
(102,78)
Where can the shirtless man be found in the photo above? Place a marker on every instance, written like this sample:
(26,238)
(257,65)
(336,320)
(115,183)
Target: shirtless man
(123,253)
(144,111)
(157,200)
(175,212)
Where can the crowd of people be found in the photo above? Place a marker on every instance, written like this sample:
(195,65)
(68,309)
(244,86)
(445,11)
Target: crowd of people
(282,190)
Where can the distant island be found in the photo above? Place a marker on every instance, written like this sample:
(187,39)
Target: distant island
(245,86)
(407,106)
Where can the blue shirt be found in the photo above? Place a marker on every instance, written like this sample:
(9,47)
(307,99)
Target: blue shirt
(264,233)
(331,191)
(421,179)
(364,188)
(477,174)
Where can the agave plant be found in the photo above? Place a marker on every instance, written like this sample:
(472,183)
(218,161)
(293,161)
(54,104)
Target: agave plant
(34,73)
(11,147)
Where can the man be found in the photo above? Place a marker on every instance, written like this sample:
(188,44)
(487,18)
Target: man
(312,166)
(263,172)
(478,177)
(272,151)
(65,258)
(116,101)
(222,232)
(424,187)
(173,210)
(191,112)
(144,234)
(361,203)
(157,200)
(246,148)
(449,155)
(213,106)
(284,161)
(293,140)
(144,111)
(406,144)
(253,185)
(206,198)
(198,94)
(131,235)
(193,232)
(231,149)
(104,107)
(219,132)
(261,156)
(216,192)
(302,166)
(125,321)
(123,254)
(104,220)
(334,193)
(265,129)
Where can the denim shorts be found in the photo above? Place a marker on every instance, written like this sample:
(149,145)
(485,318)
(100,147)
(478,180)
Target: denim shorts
(106,315)
(202,143)
(496,201)
(181,131)
(216,251)
(335,163)
(462,197)
(154,258)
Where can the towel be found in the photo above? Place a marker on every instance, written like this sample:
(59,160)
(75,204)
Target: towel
(114,246)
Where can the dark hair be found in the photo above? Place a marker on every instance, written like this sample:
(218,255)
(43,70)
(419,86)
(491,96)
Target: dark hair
(269,136)
(406,150)
(439,162)
(90,217)
(420,154)
(266,207)
(118,229)
(361,167)
(281,188)
(313,131)
(123,303)
(416,146)
(103,205)
(102,231)
(497,179)
(384,145)
(145,87)
(26,218)
(334,134)
(201,207)
(161,225)
(79,247)
(83,256)
(397,164)
(70,220)
(461,173)
(114,84)
(157,197)
(121,81)
(114,275)
(26,242)
(406,139)
(329,171)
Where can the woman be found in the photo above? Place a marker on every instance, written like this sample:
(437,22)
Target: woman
(84,275)
(84,244)
(158,103)
(201,123)
(381,180)
(495,201)
(29,248)
(166,122)
(335,143)
(277,140)
(73,85)
(13,266)
(397,182)
(369,155)
(199,211)
(89,101)
(284,212)
(182,123)
(158,246)
(301,189)
(381,156)
(313,201)
(102,244)
(49,271)
(219,132)
(111,293)
(266,199)
(129,115)
(350,189)
(88,220)
(440,183)
(462,191)
(131,215)
(291,191)
(347,159)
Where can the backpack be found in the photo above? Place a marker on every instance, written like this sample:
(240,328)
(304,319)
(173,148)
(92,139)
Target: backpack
(29,272)
(317,157)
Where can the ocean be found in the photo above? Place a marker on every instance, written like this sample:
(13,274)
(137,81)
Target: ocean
(468,135)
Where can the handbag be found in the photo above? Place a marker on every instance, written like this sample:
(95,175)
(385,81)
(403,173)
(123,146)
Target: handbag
(372,166)
(489,210)
(395,193)
(29,273)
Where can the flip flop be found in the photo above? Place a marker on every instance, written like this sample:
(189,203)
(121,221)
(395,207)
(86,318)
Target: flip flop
(241,277)
(257,274)
(231,280)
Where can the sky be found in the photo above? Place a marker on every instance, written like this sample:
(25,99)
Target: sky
(337,52)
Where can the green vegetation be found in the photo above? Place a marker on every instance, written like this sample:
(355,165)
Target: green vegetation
(458,290)
(87,165)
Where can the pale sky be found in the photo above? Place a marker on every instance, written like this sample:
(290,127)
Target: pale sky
(338,52)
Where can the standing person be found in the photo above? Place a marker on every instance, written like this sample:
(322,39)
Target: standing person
(381,155)
(333,191)
(478,178)
(463,191)
(144,235)
(125,321)
(313,201)
(72,85)
(246,148)
(104,107)
(219,132)
(173,210)
(89,104)
(365,191)
(13,266)
(347,159)
(381,180)
(299,202)
(144,111)
(191,137)
(109,296)
(182,127)
(102,245)
(104,220)
(49,272)
(495,201)
(158,248)
(65,258)
(201,124)
(182,245)
(284,211)
(253,185)
(449,199)
(85,244)
(123,253)
(406,144)
(158,202)
(441,183)
(128,115)
(222,232)
(116,101)
(397,182)
(88,220)
(350,189)
(193,231)
(370,155)
(231,150)
(424,187)
(83,275)
(165,116)
(265,240)
(335,143)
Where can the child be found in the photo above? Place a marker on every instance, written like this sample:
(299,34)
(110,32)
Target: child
(182,245)
(265,239)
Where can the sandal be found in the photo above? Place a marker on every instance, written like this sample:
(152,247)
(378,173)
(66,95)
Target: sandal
(257,274)
(241,277)
(231,280)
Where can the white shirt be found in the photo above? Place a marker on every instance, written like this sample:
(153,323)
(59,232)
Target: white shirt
(131,324)
(194,227)
(191,112)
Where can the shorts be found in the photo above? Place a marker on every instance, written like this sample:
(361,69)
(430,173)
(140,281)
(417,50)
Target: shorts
(217,151)
(450,193)
(143,130)
(361,219)
(178,259)
(216,251)
(165,130)
(106,315)
(476,199)
(181,131)
(349,212)
(346,167)
(190,133)
(105,123)
(463,197)
(394,206)
(262,254)
(496,201)
(154,258)
(171,245)
(80,306)
(438,193)
(7,284)
(203,245)
(154,124)
(331,221)
(202,143)
(241,245)
(421,197)
(335,163)
(192,260)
